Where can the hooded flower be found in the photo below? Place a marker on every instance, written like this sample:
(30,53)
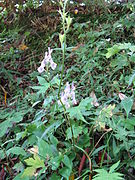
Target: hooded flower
(69,93)
(47,60)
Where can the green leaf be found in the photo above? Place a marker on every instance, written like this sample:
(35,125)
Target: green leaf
(103,174)
(41,80)
(132,78)
(41,89)
(28,172)
(54,140)
(86,104)
(19,177)
(65,172)
(112,51)
(114,166)
(55,177)
(75,112)
(55,162)
(44,148)
(76,131)
(120,62)
(16,150)
(127,104)
(67,162)
(35,162)
(17,117)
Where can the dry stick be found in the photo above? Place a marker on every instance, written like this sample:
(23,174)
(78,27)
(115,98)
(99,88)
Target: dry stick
(99,141)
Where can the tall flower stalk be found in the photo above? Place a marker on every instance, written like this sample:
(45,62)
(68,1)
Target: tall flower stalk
(66,22)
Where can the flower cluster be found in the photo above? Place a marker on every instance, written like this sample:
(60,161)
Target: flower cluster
(69,93)
(47,59)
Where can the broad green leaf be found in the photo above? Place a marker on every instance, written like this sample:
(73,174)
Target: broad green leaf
(65,172)
(55,162)
(127,104)
(55,81)
(103,174)
(44,148)
(16,150)
(86,104)
(67,162)
(120,62)
(125,46)
(54,140)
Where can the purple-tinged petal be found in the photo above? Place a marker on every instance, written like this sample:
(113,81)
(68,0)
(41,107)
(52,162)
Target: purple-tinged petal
(67,89)
(73,87)
(73,97)
(53,65)
(40,69)
(43,64)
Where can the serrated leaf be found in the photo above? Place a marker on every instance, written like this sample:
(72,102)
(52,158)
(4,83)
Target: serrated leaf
(41,89)
(86,103)
(112,51)
(127,104)
(76,131)
(41,80)
(35,162)
(75,112)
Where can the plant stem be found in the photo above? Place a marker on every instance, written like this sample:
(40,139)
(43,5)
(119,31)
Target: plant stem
(63,51)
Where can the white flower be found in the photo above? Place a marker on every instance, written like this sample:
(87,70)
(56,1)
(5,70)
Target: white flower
(47,59)
(67,89)
(67,95)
